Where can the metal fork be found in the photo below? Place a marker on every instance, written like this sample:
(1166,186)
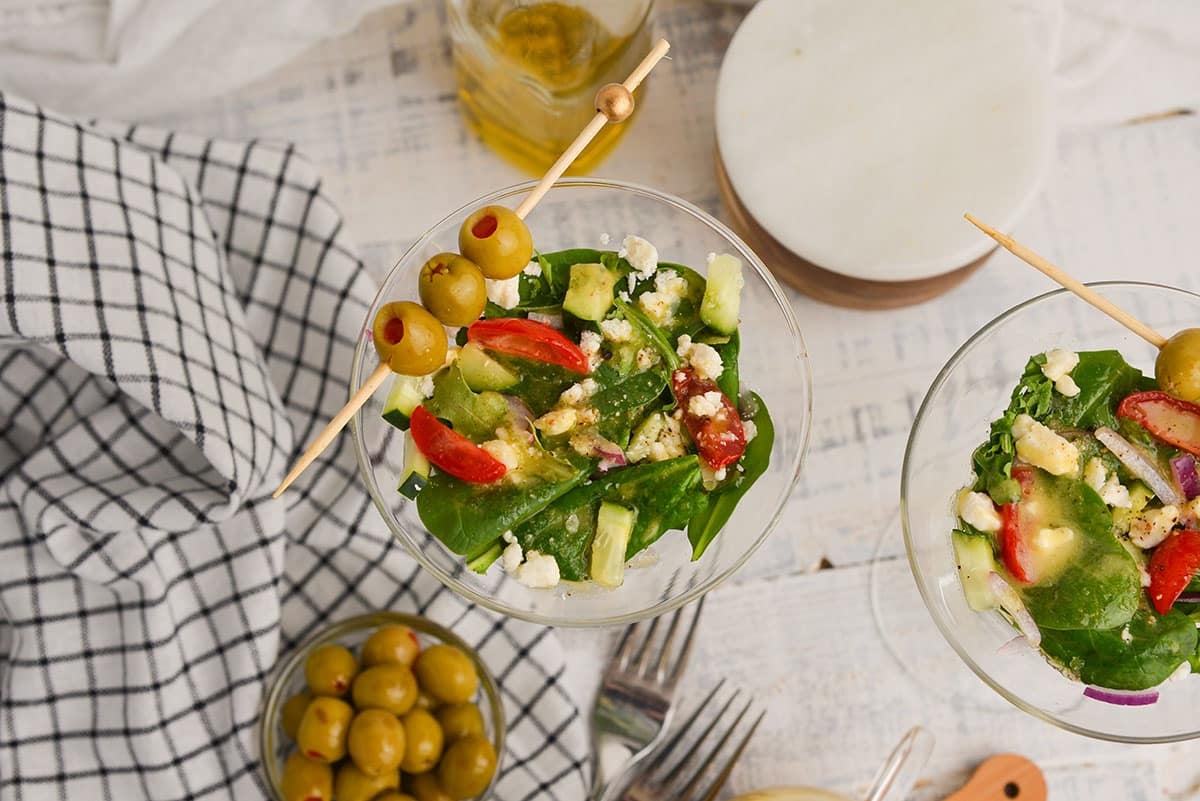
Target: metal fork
(635,696)
(656,781)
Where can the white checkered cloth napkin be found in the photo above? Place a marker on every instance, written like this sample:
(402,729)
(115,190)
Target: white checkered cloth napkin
(178,316)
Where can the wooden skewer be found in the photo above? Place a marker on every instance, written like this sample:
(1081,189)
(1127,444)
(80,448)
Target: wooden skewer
(614,103)
(1083,291)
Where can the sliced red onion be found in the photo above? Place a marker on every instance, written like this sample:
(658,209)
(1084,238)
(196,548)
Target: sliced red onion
(1189,597)
(1121,697)
(1184,468)
(1140,465)
(1016,645)
(610,454)
(1011,602)
(519,413)
(552,320)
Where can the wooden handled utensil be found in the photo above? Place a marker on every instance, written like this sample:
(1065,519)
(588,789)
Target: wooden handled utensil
(614,103)
(1004,777)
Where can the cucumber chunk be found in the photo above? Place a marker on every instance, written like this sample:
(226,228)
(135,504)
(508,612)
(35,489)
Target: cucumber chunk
(614,524)
(404,396)
(415,473)
(482,372)
(975,560)
(590,292)
(723,294)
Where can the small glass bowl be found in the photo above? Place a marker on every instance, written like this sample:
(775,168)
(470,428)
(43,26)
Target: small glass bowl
(773,362)
(972,390)
(274,745)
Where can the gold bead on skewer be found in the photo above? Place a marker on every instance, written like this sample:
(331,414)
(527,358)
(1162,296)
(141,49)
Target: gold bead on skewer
(615,102)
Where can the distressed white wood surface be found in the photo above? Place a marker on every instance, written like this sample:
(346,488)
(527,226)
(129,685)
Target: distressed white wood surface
(376,111)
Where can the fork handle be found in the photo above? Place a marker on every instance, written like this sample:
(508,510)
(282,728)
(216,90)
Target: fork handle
(1004,777)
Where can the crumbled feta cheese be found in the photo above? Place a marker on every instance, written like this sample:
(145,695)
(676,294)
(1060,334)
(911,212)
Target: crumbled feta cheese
(576,393)
(703,358)
(1127,636)
(660,437)
(977,509)
(587,417)
(1152,526)
(640,254)
(1110,489)
(1048,539)
(669,289)
(506,293)
(552,320)
(605,238)
(1094,473)
(534,269)
(623,295)
(647,358)
(503,452)
(657,307)
(705,405)
(427,386)
(1058,367)
(711,478)
(631,284)
(1043,448)
(571,524)
(617,330)
(512,556)
(559,421)
(1191,512)
(539,571)
(589,343)
(670,283)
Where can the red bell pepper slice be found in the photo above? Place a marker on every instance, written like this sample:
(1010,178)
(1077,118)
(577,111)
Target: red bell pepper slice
(529,339)
(1174,421)
(1172,566)
(721,438)
(1014,543)
(451,451)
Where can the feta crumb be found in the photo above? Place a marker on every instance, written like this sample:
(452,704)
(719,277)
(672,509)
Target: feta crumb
(1152,526)
(587,417)
(647,358)
(617,330)
(426,386)
(1049,539)
(503,452)
(1058,367)
(657,307)
(589,343)
(539,571)
(1127,636)
(705,405)
(533,269)
(1041,447)
(1109,488)
(977,509)
(605,238)
(703,358)
(711,478)
(576,393)
(559,421)
(631,283)
(640,254)
(660,437)
(750,430)
(571,524)
(623,295)
(505,293)
(512,556)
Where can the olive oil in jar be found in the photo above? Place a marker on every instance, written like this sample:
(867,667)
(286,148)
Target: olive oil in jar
(528,72)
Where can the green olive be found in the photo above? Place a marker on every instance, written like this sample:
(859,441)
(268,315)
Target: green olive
(376,741)
(354,785)
(293,712)
(426,701)
(447,673)
(467,768)
(394,643)
(306,780)
(323,729)
(394,795)
(329,670)
(453,289)
(409,339)
(1177,368)
(425,787)
(459,720)
(497,240)
(389,686)
(423,741)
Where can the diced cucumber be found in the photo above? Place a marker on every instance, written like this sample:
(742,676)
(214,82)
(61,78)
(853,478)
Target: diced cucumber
(590,292)
(723,294)
(482,372)
(415,473)
(404,396)
(614,524)
(975,560)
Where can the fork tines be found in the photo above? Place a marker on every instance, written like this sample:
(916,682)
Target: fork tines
(640,655)
(687,767)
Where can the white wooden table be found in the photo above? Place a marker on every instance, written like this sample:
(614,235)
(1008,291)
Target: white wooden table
(376,111)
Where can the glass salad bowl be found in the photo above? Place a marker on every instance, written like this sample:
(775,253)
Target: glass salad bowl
(972,390)
(774,363)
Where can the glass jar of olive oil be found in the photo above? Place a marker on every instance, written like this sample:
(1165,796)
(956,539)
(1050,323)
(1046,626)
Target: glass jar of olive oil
(528,71)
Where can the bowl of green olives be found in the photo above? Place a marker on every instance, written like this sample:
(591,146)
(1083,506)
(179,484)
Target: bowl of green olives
(382,707)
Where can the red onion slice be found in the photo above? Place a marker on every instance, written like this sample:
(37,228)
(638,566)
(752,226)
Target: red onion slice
(519,414)
(1010,602)
(1184,468)
(1189,597)
(1140,465)
(1121,697)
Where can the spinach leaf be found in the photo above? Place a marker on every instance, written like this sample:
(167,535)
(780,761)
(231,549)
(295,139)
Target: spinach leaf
(652,332)
(707,523)
(541,383)
(993,459)
(469,518)
(474,415)
(621,405)
(729,381)
(1104,379)
(686,317)
(1136,656)
(556,267)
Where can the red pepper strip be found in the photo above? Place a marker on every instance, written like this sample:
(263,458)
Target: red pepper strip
(451,451)
(1174,421)
(529,339)
(720,439)
(1172,566)
(1014,543)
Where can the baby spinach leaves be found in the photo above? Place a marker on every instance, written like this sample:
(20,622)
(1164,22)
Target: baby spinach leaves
(1136,656)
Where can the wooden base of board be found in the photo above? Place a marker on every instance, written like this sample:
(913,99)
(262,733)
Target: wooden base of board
(826,285)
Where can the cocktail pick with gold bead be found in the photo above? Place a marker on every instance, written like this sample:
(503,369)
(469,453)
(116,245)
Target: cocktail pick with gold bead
(614,104)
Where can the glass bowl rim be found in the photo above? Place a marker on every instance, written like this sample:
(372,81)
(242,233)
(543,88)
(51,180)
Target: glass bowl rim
(365,469)
(273,700)
(909,547)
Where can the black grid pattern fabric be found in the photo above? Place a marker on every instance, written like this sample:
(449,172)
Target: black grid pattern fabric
(178,317)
